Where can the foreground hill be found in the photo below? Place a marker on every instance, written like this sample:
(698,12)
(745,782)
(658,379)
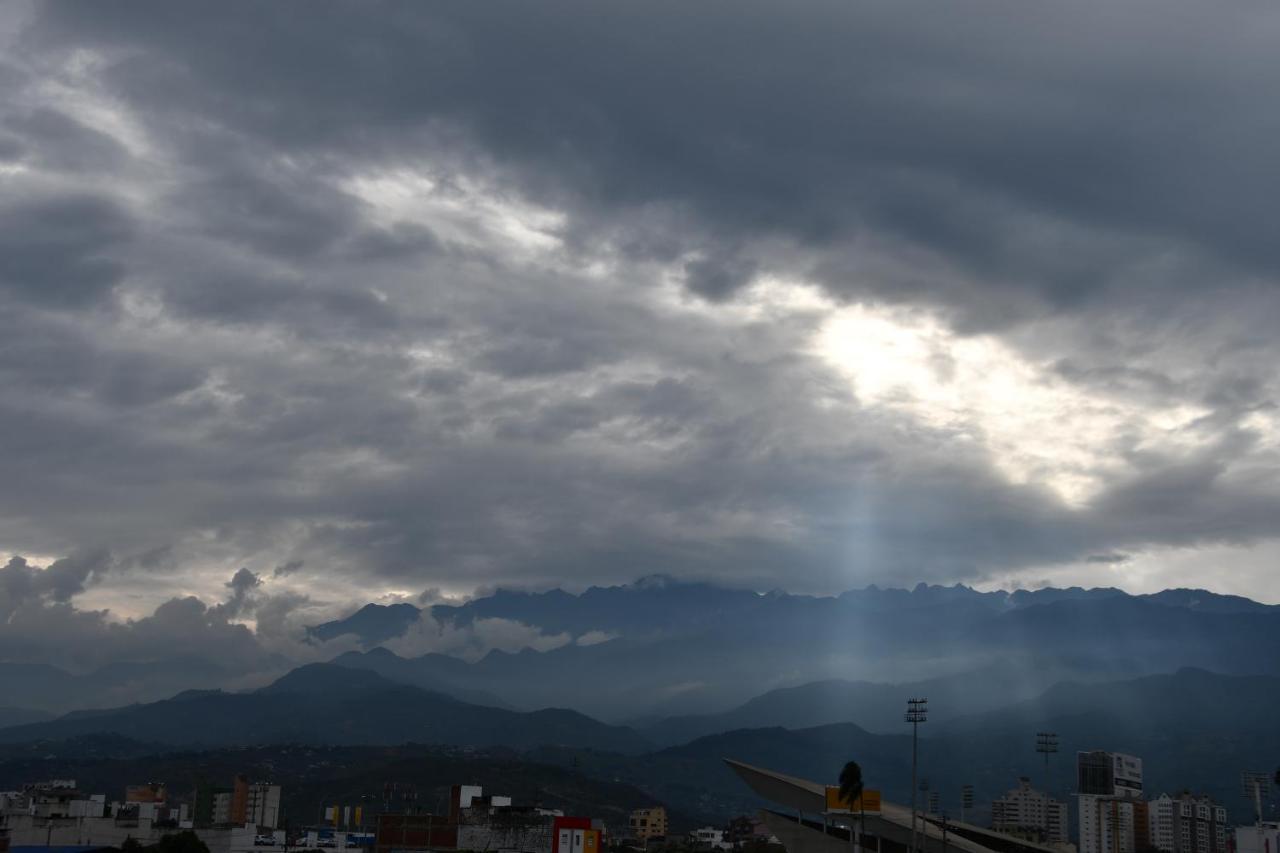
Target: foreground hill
(873,705)
(1192,728)
(1181,725)
(325,704)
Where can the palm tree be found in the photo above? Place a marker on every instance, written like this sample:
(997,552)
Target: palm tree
(851,791)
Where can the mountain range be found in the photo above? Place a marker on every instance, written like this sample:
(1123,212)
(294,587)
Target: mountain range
(676,649)
(322,703)
(652,683)
(1194,729)
(660,648)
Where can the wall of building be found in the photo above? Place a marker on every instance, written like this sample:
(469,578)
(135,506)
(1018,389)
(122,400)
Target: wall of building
(31,830)
(649,823)
(415,832)
(1106,825)
(504,836)
(1263,838)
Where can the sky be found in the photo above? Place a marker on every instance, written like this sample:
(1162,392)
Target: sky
(305,305)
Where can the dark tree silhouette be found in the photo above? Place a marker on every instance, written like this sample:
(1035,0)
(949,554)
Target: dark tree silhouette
(851,791)
(181,842)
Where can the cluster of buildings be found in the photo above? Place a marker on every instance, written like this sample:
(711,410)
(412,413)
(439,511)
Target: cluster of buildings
(1113,816)
(476,821)
(648,827)
(239,819)
(247,817)
(244,803)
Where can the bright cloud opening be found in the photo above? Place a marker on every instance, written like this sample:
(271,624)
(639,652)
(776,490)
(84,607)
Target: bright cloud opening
(1036,426)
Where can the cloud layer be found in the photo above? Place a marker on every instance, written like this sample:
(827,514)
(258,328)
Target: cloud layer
(455,296)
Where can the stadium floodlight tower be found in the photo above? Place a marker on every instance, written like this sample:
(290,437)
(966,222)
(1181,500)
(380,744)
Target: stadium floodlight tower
(1046,743)
(1252,784)
(917,713)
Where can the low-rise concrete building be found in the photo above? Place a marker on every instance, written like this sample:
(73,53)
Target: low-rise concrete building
(709,838)
(649,823)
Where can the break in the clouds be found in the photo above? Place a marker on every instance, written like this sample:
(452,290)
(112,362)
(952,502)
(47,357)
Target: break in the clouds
(369,300)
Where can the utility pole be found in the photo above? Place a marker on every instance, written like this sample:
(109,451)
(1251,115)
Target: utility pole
(917,713)
(966,799)
(1046,743)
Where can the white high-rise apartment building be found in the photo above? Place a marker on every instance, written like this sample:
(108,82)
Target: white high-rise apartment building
(1110,801)
(1030,814)
(1107,824)
(1187,824)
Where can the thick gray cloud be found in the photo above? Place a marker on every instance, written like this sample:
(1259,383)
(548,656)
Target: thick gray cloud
(57,250)
(450,296)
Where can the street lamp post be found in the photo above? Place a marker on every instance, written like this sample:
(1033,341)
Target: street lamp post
(917,713)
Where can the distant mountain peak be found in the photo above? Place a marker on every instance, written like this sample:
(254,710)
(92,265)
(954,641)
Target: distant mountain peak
(656,581)
(329,678)
(373,623)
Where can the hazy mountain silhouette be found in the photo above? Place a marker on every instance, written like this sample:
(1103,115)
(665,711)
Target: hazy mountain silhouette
(1193,729)
(43,687)
(1182,725)
(372,624)
(321,703)
(874,706)
(10,716)
(661,648)
(700,649)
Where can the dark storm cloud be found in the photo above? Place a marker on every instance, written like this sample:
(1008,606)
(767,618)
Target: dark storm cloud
(58,141)
(242,586)
(1001,139)
(22,583)
(57,250)
(446,296)
(286,569)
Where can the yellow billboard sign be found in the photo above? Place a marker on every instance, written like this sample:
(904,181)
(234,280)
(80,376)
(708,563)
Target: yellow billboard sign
(869,802)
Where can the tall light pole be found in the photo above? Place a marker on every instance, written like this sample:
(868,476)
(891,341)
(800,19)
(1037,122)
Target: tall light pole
(1046,743)
(917,713)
